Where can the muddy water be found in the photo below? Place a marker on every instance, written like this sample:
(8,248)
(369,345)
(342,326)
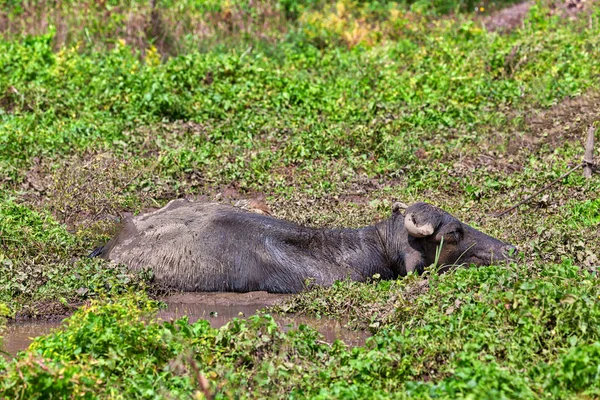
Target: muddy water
(220,308)
(217,308)
(17,336)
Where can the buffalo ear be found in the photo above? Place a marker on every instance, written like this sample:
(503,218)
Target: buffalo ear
(422,220)
(451,232)
(398,207)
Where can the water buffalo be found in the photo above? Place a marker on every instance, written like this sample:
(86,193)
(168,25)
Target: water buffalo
(198,246)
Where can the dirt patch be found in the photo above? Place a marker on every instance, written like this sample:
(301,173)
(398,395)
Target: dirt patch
(170,135)
(563,122)
(354,199)
(566,120)
(508,18)
(511,18)
(492,163)
(46,310)
(507,152)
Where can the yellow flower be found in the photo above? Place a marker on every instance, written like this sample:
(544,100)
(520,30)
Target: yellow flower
(152,58)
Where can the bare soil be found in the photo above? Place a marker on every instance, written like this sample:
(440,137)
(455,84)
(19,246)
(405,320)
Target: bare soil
(513,17)
(547,128)
(46,310)
(508,18)
(567,120)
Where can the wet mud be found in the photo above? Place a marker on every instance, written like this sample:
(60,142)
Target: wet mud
(217,308)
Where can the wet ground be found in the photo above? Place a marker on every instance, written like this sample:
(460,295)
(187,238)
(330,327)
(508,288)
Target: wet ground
(217,308)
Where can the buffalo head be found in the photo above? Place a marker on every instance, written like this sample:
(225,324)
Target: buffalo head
(435,236)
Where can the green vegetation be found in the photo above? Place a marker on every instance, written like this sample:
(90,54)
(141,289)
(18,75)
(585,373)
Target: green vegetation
(333,111)
(486,333)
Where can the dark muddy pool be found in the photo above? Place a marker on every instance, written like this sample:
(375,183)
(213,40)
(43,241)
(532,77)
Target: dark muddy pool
(217,308)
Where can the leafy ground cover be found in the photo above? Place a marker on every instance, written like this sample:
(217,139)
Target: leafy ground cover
(332,111)
(488,333)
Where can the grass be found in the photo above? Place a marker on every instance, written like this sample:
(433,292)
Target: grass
(333,111)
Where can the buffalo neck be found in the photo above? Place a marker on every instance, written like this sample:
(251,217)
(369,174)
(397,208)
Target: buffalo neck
(362,249)
(390,233)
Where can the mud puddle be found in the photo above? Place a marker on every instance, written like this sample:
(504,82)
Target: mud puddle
(17,336)
(217,308)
